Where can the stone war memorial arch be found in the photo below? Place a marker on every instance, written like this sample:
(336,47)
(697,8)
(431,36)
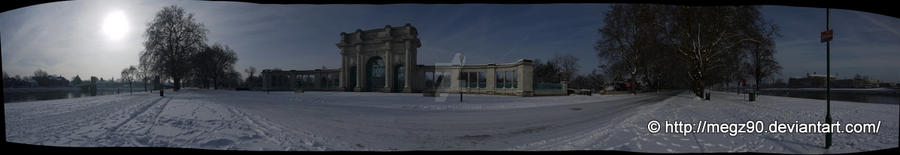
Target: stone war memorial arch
(384,60)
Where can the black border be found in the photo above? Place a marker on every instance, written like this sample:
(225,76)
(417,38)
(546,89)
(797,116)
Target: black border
(877,7)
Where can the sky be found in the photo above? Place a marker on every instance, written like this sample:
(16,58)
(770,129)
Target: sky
(68,38)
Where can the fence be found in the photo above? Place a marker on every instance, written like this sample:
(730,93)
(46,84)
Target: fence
(549,89)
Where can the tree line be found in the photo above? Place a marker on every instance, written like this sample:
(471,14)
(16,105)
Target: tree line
(659,46)
(42,78)
(564,67)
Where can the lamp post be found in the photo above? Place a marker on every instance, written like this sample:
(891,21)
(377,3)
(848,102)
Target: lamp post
(826,37)
(462,58)
(159,83)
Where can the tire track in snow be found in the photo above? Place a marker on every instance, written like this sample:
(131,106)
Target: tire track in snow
(256,127)
(286,138)
(137,113)
(31,128)
(607,118)
(156,117)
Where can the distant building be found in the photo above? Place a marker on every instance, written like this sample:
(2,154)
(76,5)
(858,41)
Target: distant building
(810,81)
(818,81)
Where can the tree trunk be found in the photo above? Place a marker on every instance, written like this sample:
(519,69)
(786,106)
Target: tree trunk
(756,87)
(177,84)
(758,71)
(633,84)
(215,83)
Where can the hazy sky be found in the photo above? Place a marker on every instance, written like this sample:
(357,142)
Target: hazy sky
(67,38)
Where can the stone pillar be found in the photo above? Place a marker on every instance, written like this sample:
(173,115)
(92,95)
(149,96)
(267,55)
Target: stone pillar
(341,76)
(359,70)
(388,68)
(491,79)
(314,84)
(406,68)
(526,80)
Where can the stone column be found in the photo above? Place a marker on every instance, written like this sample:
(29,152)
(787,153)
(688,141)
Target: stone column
(491,79)
(526,79)
(388,68)
(359,69)
(406,68)
(341,76)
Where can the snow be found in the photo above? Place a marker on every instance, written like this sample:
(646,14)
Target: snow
(250,120)
(838,89)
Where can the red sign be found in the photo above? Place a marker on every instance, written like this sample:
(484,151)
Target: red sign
(827,35)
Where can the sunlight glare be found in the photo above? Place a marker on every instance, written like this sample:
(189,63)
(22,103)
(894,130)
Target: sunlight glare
(115,25)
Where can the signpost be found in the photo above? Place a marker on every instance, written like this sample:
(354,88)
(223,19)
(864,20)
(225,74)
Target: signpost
(826,37)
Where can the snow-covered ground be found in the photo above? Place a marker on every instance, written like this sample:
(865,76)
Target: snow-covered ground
(215,119)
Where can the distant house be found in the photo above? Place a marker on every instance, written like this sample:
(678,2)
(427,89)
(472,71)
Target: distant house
(864,82)
(810,81)
(885,85)
(31,83)
(818,81)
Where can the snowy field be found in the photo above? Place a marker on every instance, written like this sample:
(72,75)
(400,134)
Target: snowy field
(242,120)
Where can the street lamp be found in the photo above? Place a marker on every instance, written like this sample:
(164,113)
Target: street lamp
(826,37)
(462,58)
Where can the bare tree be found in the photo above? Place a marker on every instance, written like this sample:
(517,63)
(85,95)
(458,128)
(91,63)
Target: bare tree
(592,81)
(224,61)
(213,64)
(628,38)
(708,38)
(761,60)
(203,66)
(128,75)
(546,72)
(171,38)
(76,80)
(666,45)
(250,79)
(568,65)
(250,71)
(146,71)
(40,73)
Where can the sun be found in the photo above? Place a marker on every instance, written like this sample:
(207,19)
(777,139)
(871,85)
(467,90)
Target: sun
(115,25)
